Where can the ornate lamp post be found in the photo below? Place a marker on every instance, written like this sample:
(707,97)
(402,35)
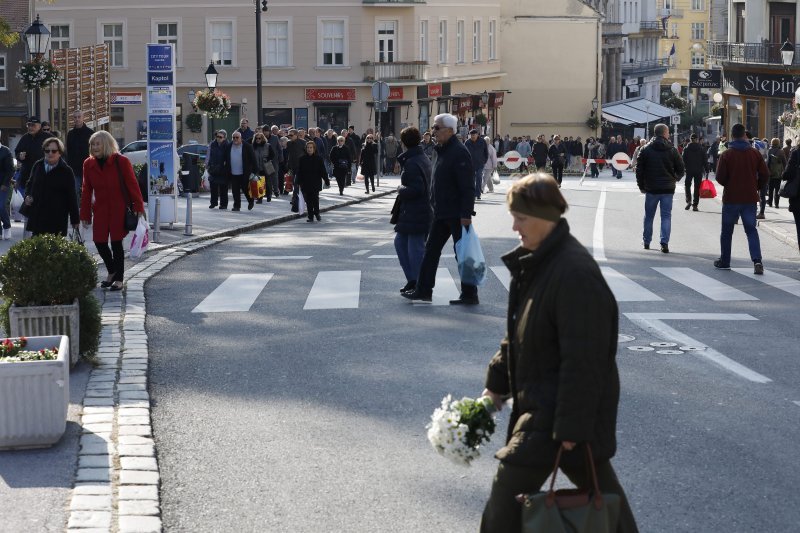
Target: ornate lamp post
(787,54)
(676,90)
(37,41)
(211,83)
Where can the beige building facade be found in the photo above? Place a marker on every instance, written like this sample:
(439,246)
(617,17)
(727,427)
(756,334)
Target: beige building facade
(320,59)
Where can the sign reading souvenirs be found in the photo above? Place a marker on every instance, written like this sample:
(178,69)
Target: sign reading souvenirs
(705,79)
(330,94)
(760,84)
(434,90)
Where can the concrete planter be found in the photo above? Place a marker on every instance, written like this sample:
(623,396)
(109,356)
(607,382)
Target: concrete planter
(34,397)
(46,320)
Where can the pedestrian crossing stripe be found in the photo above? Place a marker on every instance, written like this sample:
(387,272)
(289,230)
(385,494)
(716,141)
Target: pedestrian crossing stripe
(335,290)
(706,285)
(237,293)
(627,290)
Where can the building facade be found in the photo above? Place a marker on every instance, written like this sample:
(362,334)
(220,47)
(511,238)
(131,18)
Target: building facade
(642,68)
(687,27)
(13,99)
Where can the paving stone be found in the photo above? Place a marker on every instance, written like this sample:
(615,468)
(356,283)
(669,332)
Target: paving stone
(133,420)
(125,404)
(97,419)
(90,503)
(90,530)
(139,507)
(138,477)
(93,474)
(132,386)
(127,380)
(97,438)
(132,373)
(97,411)
(92,489)
(98,428)
(94,461)
(134,395)
(100,393)
(139,524)
(99,385)
(88,519)
(135,440)
(139,463)
(98,402)
(134,366)
(97,449)
(142,431)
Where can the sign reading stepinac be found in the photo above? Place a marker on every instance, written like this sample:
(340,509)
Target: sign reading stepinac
(161,130)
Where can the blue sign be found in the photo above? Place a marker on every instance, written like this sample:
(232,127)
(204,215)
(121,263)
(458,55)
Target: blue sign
(161,160)
(160,78)
(160,127)
(301,117)
(159,57)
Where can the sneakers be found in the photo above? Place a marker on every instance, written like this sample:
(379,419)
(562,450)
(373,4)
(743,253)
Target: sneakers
(758,268)
(721,266)
(664,248)
(6,234)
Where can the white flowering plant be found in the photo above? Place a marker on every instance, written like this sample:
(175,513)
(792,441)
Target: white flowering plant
(459,427)
(37,74)
(216,104)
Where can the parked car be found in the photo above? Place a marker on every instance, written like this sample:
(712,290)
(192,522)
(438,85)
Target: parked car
(194,148)
(136,152)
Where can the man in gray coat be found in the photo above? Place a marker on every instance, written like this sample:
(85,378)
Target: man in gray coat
(479,152)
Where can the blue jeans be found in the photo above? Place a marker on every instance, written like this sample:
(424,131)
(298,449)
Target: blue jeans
(5,206)
(478,179)
(410,248)
(730,214)
(651,201)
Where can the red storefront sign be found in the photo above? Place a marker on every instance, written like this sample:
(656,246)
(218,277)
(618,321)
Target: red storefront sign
(396,93)
(496,99)
(434,90)
(332,94)
(464,104)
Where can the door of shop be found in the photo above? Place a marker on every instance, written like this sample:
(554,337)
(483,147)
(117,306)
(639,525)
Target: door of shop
(389,122)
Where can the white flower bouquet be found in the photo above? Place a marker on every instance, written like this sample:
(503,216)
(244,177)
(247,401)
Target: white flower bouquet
(37,74)
(459,427)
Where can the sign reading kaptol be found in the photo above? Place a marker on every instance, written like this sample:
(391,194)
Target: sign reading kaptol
(705,79)
(162,173)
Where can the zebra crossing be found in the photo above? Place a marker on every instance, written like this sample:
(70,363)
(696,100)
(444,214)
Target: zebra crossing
(341,289)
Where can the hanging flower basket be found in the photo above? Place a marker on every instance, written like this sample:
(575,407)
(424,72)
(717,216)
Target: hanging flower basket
(37,74)
(215,104)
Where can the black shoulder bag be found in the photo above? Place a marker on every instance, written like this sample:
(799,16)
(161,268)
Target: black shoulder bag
(131,219)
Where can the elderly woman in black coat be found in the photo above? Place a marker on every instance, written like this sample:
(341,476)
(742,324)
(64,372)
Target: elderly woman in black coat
(369,162)
(341,159)
(413,207)
(310,175)
(557,361)
(50,198)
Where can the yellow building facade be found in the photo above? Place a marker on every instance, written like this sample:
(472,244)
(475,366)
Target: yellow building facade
(687,25)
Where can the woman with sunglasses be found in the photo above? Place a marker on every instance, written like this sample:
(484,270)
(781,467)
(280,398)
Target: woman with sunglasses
(50,195)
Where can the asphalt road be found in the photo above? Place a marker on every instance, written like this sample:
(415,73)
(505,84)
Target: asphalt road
(305,410)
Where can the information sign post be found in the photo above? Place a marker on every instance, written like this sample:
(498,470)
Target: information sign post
(161,164)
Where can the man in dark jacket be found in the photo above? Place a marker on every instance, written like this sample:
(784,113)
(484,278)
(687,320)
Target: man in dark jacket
(244,129)
(694,159)
(540,151)
(453,196)
(240,162)
(615,145)
(78,147)
(215,165)
(29,151)
(6,173)
(658,168)
(480,154)
(743,173)
(296,148)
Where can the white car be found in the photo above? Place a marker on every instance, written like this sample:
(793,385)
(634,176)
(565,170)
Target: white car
(136,152)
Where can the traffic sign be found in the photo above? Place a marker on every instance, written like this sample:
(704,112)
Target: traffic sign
(380,91)
(620,161)
(511,159)
(675,119)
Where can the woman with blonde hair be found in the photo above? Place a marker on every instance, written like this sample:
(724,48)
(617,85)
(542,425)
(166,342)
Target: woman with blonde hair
(109,175)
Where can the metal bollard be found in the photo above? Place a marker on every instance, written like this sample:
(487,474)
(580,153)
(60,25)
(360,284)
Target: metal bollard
(187,230)
(157,221)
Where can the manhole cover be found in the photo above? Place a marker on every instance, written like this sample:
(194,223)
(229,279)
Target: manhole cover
(692,348)
(625,338)
(669,352)
(663,344)
(641,348)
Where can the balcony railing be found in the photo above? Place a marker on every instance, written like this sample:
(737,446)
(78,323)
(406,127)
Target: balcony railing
(397,71)
(649,65)
(764,53)
(651,25)
(677,13)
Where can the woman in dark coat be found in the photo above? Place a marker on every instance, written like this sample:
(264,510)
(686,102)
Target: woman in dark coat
(341,159)
(105,173)
(369,160)
(791,173)
(557,361)
(414,212)
(50,195)
(310,175)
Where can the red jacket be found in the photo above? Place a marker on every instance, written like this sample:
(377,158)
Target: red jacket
(743,172)
(109,204)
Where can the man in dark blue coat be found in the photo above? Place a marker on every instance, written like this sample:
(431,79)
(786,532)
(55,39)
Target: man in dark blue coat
(480,154)
(453,197)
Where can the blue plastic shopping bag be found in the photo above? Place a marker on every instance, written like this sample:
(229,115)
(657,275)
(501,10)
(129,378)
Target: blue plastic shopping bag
(471,263)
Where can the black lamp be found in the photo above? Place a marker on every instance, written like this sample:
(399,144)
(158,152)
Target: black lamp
(211,76)
(485,98)
(787,54)
(37,38)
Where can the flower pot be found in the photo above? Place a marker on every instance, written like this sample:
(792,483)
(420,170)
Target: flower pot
(34,397)
(48,320)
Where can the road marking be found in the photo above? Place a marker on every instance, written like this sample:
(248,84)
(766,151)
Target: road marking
(337,289)
(627,290)
(446,288)
(380,243)
(394,256)
(266,257)
(598,249)
(237,293)
(503,275)
(652,322)
(362,252)
(796,403)
(779,281)
(705,285)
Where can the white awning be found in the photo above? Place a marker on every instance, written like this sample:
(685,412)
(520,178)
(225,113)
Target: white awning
(616,120)
(636,111)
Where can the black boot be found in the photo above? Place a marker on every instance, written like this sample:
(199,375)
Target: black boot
(409,287)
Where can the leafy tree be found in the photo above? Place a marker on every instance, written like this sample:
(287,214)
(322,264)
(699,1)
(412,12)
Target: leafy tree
(9,37)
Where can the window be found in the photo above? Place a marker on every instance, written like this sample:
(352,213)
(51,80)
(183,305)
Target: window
(476,40)
(3,82)
(697,5)
(668,4)
(674,33)
(333,42)
(492,40)
(221,42)
(423,40)
(387,47)
(168,32)
(698,60)
(277,36)
(460,41)
(442,41)
(59,36)
(113,36)
(698,30)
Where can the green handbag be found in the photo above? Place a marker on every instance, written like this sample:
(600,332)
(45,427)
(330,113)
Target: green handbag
(570,510)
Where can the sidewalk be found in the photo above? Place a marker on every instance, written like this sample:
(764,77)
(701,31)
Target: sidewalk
(102,476)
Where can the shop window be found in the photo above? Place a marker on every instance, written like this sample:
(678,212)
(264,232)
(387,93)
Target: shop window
(277,116)
(333,117)
(751,118)
(117,124)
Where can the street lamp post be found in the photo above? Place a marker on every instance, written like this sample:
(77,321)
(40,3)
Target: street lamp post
(595,104)
(259,69)
(211,83)
(37,40)
(676,90)
(787,54)
(717,99)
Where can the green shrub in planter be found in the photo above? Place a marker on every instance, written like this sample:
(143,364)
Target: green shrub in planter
(50,270)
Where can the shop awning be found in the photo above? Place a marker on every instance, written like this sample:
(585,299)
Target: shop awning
(636,111)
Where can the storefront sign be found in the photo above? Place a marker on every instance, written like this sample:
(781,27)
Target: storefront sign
(705,79)
(464,104)
(434,90)
(496,99)
(396,93)
(126,98)
(759,84)
(330,95)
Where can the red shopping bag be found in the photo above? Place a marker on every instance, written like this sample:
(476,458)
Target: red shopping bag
(288,182)
(707,189)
